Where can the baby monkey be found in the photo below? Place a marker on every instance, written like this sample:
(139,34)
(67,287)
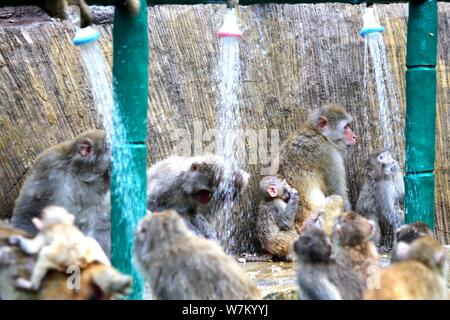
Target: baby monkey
(180,265)
(381,197)
(275,221)
(420,274)
(320,277)
(353,247)
(407,234)
(59,244)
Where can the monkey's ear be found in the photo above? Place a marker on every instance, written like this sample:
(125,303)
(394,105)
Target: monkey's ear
(371,173)
(85,148)
(322,122)
(37,223)
(272,191)
(194,166)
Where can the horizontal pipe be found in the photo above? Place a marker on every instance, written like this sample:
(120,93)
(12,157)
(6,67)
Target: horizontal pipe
(192,2)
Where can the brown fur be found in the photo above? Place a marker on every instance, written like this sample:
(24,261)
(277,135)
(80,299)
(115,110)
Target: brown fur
(180,265)
(420,275)
(353,248)
(275,220)
(313,161)
(325,217)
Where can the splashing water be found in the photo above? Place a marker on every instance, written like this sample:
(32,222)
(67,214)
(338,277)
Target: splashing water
(389,112)
(229,126)
(127,175)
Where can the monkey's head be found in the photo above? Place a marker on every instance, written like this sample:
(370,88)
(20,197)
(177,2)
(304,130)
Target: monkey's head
(333,122)
(51,216)
(412,231)
(272,187)
(351,229)
(381,164)
(426,250)
(313,245)
(90,155)
(158,228)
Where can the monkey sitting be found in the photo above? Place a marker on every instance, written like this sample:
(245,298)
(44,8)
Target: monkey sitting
(351,235)
(180,265)
(420,274)
(381,196)
(275,221)
(312,159)
(319,276)
(190,186)
(408,233)
(74,175)
(58,9)
(59,244)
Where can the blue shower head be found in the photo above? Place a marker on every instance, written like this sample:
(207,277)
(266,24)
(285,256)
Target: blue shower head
(85,35)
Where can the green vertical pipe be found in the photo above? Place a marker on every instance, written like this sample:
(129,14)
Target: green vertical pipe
(420,111)
(128,173)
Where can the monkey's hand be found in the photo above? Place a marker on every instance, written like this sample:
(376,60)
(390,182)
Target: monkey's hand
(15,240)
(23,283)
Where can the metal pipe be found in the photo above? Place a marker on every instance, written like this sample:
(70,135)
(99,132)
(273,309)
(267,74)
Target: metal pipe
(421,111)
(128,172)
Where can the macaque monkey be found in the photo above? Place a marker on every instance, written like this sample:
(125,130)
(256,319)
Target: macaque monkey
(420,274)
(353,248)
(58,245)
(408,233)
(319,276)
(58,9)
(312,159)
(275,221)
(381,196)
(190,186)
(75,176)
(180,265)
(97,281)
(326,216)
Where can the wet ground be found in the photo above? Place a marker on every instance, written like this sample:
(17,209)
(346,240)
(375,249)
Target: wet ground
(276,280)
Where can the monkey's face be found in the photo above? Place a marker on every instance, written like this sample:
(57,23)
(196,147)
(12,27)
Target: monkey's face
(313,246)
(389,165)
(351,229)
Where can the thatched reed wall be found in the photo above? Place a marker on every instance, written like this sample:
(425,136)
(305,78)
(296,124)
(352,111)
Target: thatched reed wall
(294,58)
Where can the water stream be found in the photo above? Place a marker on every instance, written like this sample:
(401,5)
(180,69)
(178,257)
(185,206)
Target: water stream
(229,127)
(389,111)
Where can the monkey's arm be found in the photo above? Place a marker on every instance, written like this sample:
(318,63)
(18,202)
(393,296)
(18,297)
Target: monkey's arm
(337,184)
(313,288)
(285,218)
(29,246)
(199,224)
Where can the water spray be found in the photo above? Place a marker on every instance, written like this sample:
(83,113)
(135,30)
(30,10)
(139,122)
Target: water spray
(370,23)
(82,35)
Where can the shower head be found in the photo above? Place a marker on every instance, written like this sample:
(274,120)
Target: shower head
(370,24)
(230,27)
(85,35)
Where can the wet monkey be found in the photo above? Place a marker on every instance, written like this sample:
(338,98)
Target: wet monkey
(74,175)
